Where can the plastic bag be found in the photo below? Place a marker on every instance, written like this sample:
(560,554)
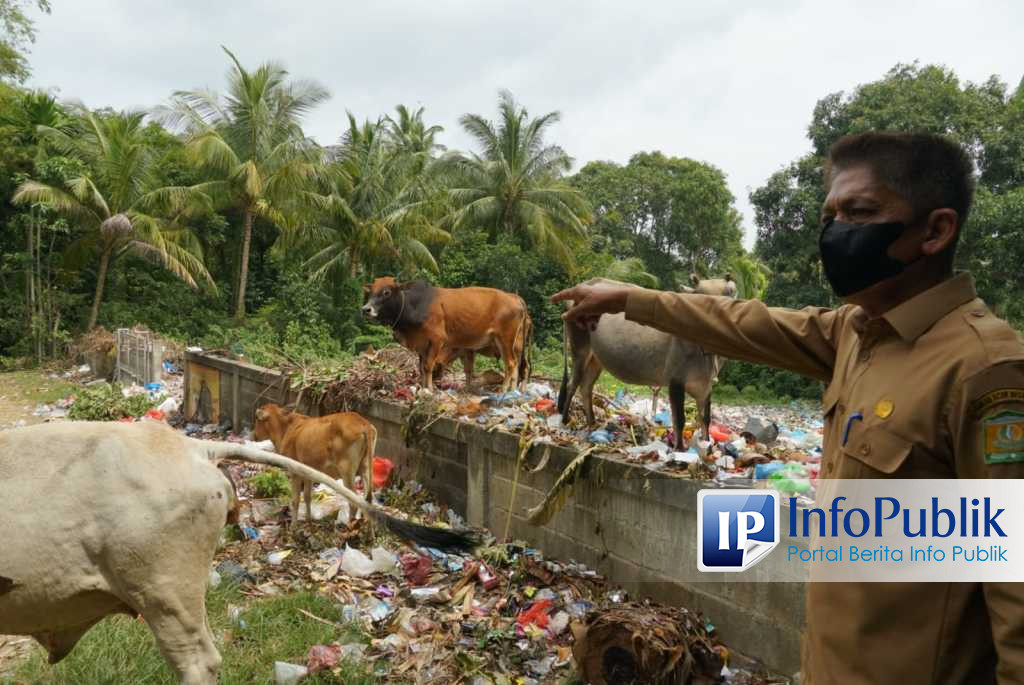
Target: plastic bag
(355,563)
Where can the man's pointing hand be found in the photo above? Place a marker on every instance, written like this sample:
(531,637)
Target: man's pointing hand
(590,302)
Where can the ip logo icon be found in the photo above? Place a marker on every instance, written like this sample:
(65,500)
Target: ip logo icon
(735,528)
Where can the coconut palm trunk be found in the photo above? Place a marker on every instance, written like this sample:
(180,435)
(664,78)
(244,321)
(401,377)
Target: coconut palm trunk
(243,272)
(101,281)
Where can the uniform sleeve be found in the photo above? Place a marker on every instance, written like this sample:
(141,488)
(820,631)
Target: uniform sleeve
(987,423)
(803,341)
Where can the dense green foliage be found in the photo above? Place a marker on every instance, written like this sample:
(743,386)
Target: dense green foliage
(264,238)
(107,402)
(985,117)
(270,484)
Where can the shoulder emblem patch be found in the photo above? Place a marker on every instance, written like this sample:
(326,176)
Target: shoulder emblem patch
(997,397)
(1003,434)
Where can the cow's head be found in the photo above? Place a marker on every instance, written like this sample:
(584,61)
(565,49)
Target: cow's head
(712,286)
(384,300)
(268,419)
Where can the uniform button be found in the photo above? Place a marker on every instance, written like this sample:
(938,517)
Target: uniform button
(865,450)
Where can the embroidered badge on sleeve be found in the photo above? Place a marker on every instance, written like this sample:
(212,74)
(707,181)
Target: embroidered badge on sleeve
(1003,434)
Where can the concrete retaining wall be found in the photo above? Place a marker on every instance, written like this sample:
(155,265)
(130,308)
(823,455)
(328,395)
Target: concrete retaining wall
(635,526)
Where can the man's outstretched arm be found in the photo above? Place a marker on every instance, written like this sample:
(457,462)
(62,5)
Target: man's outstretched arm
(803,341)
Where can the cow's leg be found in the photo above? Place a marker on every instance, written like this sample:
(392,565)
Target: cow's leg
(590,374)
(468,362)
(511,362)
(579,364)
(435,353)
(293,508)
(513,354)
(701,391)
(677,400)
(176,613)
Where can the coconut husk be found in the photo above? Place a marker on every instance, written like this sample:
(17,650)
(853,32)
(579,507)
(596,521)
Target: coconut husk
(638,643)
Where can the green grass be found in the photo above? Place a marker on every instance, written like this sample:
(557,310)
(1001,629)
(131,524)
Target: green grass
(122,650)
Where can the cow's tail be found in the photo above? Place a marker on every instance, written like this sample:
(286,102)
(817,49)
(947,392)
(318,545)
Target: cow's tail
(428,536)
(565,369)
(525,366)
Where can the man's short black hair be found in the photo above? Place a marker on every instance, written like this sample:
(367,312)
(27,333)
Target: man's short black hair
(930,171)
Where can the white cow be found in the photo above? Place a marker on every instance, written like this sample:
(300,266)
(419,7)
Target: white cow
(102,518)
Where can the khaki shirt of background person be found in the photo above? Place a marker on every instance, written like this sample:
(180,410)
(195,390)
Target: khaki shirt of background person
(922,381)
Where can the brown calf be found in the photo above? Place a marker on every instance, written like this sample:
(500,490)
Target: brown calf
(440,324)
(336,444)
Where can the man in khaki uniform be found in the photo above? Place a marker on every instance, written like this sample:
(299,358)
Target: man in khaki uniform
(923,382)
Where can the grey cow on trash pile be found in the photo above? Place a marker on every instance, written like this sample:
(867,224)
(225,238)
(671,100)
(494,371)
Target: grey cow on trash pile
(106,518)
(641,355)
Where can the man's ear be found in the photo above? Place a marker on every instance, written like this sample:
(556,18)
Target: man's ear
(941,232)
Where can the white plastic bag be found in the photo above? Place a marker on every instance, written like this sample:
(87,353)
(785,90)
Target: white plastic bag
(288,674)
(355,563)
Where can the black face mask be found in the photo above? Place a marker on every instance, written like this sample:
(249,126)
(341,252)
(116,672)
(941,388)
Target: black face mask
(854,255)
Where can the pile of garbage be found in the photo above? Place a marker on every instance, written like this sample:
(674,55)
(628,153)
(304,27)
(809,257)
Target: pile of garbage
(504,614)
(753,445)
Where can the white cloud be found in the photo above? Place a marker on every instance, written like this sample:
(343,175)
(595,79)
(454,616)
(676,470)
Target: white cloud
(715,81)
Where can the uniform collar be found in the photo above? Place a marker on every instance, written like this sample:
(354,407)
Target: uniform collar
(915,316)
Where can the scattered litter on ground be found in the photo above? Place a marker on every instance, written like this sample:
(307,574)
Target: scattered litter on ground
(504,614)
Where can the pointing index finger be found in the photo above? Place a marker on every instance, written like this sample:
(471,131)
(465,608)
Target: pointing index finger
(567,294)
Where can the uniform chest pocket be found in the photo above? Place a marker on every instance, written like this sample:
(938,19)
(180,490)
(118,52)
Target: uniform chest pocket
(873,452)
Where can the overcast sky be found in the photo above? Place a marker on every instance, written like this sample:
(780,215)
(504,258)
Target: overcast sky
(730,83)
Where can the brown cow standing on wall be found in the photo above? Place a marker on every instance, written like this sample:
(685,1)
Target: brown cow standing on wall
(439,324)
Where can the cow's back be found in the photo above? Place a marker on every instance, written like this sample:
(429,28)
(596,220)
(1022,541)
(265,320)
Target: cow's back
(95,513)
(642,355)
(471,315)
(318,441)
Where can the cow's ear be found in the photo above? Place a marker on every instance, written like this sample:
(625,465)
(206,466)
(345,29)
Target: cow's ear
(261,414)
(695,279)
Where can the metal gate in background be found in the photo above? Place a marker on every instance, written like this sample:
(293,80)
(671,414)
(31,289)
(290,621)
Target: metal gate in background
(139,357)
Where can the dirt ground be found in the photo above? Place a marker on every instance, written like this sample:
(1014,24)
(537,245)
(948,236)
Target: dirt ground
(22,391)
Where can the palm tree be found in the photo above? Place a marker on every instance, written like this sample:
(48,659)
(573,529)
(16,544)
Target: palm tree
(751,276)
(115,203)
(251,143)
(631,270)
(380,205)
(412,138)
(514,185)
